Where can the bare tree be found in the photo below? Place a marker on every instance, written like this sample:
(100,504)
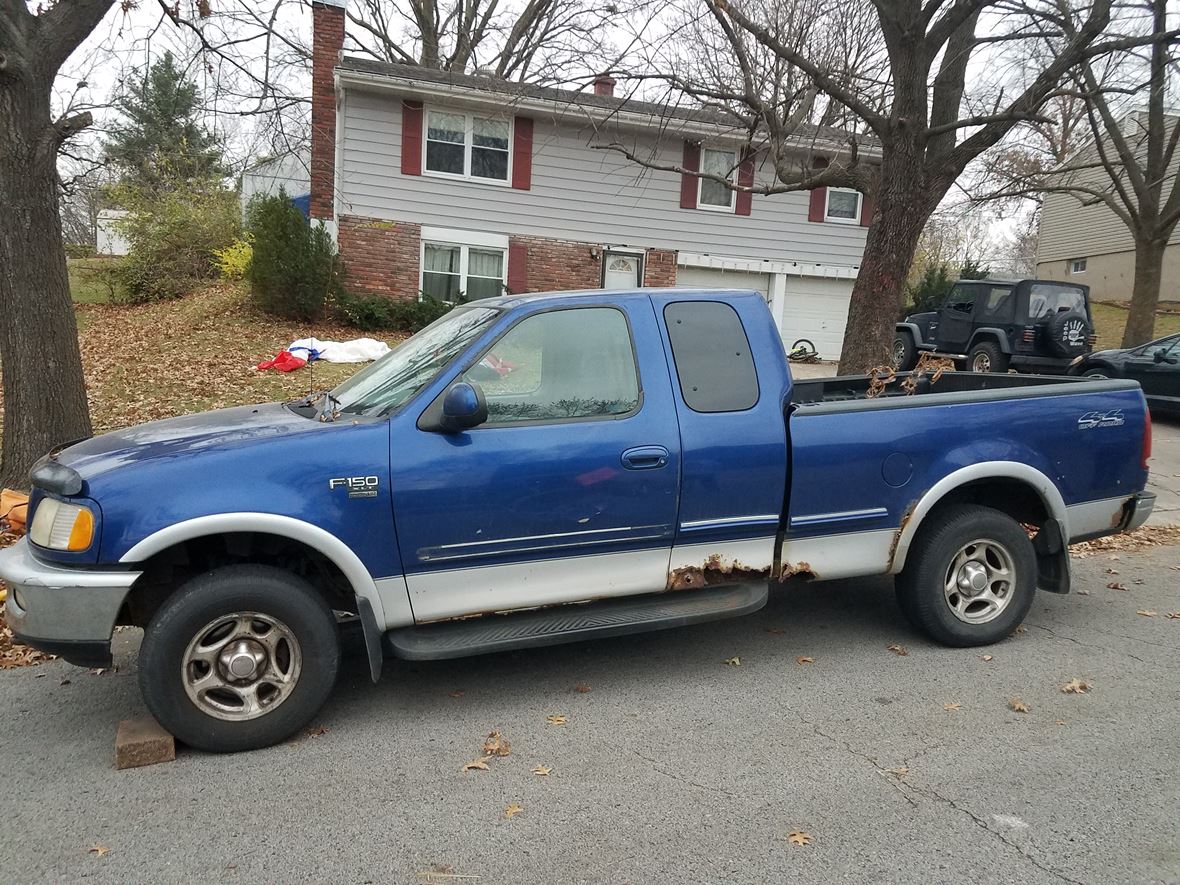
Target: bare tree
(908,94)
(1121,155)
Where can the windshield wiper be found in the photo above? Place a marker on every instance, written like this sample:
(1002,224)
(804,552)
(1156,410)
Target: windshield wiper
(326,406)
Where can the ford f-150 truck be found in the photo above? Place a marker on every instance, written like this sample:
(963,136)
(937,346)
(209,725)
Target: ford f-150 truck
(554,467)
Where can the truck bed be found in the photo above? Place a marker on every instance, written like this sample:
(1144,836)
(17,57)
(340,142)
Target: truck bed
(949,388)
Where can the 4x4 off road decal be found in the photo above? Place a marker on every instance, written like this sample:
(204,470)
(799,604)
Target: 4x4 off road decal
(358,486)
(1090,420)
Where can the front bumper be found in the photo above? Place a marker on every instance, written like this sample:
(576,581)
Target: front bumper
(68,612)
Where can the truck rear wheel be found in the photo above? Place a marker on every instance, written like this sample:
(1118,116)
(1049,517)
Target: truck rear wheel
(239,658)
(969,578)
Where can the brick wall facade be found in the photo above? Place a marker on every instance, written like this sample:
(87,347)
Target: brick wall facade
(380,257)
(327,41)
(559,264)
(659,269)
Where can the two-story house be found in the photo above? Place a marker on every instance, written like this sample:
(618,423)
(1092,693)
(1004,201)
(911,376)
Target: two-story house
(449,184)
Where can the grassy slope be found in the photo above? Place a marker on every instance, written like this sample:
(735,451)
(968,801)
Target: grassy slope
(1110,320)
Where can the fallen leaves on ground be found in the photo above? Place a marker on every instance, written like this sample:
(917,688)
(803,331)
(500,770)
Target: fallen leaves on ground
(513,810)
(1175,616)
(542,770)
(733,662)
(899,772)
(986,658)
(1076,686)
(803,659)
(317,731)
(899,650)
(1020,628)
(1147,613)
(798,837)
(582,688)
(477,765)
(1115,585)
(496,745)
(1018,706)
(1129,542)
(951,708)
(556,719)
(98,850)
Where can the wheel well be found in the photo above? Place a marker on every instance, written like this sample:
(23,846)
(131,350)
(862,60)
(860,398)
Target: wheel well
(165,571)
(1011,496)
(986,338)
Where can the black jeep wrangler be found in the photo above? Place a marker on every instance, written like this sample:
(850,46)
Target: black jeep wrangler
(1041,326)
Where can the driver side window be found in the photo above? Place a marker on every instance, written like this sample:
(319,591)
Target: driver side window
(559,365)
(962,299)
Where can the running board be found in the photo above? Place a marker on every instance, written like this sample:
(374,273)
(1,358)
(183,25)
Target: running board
(573,622)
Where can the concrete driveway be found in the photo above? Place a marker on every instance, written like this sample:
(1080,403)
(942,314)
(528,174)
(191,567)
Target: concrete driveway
(673,766)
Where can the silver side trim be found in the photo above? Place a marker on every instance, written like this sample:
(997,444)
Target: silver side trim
(453,593)
(558,540)
(1092,519)
(388,609)
(697,525)
(830,557)
(841,516)
(750,553)
(1048,491)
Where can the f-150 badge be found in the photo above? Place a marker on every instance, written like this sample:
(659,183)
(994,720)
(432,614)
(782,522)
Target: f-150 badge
(358,486)
(1090,420)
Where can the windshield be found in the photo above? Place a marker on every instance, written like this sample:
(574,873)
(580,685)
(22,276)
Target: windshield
(413,364)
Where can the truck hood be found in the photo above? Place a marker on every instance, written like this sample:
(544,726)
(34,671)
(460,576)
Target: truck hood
(186,435)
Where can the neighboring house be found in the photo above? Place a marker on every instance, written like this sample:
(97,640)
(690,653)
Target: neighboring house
(109,238)
(455,184)
(266,177)
(1091,245)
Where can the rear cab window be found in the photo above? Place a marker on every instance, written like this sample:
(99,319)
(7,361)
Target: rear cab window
(712,355)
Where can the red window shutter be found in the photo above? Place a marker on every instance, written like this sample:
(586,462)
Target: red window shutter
(522,153)
(688,182)
(518,267)
(819,202)
(744,201)
(866,210)
(411,138)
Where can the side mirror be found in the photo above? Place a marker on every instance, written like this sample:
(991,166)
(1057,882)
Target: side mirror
(461,407)
(1160,355)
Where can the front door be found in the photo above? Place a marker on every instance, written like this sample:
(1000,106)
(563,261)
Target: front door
(622,270)
(568,492)
(1157,368)
(955,319)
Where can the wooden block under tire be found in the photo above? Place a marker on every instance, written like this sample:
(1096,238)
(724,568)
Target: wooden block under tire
(141,742)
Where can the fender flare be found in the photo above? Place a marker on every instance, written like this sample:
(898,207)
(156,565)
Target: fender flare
(913,329)
(1045,488)
(313,536)
(988,332)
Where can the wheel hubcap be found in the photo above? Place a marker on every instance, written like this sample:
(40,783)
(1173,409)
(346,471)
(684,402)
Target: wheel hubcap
(983,362)
(980,581)
(898,353)
(241,666)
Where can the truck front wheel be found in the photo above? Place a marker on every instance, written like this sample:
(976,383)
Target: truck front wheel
(969,579)
(239,658)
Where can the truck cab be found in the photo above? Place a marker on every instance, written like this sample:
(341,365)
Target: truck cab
(1041,326)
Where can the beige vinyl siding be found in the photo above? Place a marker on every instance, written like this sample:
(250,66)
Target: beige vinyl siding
(578,193)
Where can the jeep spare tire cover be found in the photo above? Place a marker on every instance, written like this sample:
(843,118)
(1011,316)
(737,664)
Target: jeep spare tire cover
(1067,333)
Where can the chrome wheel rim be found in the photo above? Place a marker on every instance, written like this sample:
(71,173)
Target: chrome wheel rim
(241,666)
(981,363)
(898,353)
(980,581)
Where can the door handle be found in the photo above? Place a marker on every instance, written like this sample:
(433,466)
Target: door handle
(645,457)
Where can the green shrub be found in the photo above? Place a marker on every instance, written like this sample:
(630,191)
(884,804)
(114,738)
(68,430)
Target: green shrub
(174,235)
(294,270)
(929,290)
(374,313)
(233,260)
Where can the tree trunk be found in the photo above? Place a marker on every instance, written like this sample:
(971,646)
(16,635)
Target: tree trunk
(904,203)
(1149,268)
(44,392)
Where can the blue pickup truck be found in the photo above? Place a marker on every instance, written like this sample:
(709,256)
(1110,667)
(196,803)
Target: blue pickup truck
(554,467)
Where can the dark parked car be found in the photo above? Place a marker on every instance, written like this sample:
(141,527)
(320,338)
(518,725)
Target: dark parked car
(1155,365)
(1040,326)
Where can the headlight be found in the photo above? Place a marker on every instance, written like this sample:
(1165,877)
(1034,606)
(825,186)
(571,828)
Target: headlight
(61,526)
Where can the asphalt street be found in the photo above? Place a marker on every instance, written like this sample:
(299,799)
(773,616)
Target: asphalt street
(672,765)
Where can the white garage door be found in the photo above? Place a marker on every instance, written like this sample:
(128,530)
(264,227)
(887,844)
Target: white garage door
(714,278)
(815,308)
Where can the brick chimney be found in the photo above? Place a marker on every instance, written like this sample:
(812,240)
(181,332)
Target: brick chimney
(327,23)
(604,84)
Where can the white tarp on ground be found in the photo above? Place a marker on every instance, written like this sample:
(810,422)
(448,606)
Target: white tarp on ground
(359,350)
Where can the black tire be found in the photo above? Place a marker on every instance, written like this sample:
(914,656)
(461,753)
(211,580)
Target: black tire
(988,354)
(1067,334)
(287,599)
(921,585)
(904,353)
(1098,373)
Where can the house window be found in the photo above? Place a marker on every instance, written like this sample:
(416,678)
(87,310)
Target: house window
(1078,265)
(843,206)
(467,146)
(457,271)
(714,194)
